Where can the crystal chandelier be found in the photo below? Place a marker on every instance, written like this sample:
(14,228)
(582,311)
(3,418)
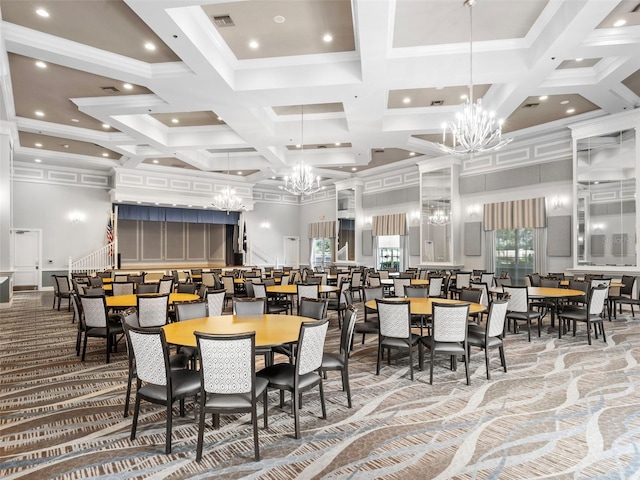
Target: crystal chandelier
(439,218)
(227,199)
(302,181)
(475,129)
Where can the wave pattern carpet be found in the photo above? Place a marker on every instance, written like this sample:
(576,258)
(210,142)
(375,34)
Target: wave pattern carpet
(563,410)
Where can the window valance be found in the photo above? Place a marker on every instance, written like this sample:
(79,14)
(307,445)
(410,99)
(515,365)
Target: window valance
(528,213)
(392,224)
(187,215)
(322,229)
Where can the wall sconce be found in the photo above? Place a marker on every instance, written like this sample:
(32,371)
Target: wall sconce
(76,217)
(557,202)
(265,225)
(598,227)
(474,210)
(367,222)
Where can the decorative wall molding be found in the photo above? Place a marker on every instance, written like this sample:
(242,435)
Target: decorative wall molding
(23,172)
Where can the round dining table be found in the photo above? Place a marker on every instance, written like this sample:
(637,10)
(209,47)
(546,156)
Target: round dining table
(414,281)
(271,329)
(424,306)
(123,301)
(292,289)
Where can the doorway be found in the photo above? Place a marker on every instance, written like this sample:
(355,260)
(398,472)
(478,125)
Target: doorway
(27,252)
(291,252)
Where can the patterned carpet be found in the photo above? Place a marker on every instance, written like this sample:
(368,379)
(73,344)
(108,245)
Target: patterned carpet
(563,410)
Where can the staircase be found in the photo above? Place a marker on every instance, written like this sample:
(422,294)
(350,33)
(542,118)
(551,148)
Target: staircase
(98,261)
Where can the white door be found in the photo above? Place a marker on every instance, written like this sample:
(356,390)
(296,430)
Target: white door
(292,252)
(26,254)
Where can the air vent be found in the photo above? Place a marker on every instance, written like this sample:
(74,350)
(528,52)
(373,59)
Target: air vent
(531,105)
(110,89)
(378,150)
(223,21)
(437,103)
(322,146)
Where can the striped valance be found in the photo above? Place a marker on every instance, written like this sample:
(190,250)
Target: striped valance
(322,230)
(393,224)
(529,213)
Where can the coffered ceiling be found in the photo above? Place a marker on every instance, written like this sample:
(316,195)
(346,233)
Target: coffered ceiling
(346,85)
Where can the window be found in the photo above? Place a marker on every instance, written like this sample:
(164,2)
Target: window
(322,251)
(515,253)
(389,252)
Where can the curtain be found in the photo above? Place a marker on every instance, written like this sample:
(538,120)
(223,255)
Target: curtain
(186,215)
(540,249)
(321,229)
(404,252)
(490,257)
(376,253)
(392,224)
(528,213)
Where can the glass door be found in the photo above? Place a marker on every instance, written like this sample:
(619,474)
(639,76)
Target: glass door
(515,253)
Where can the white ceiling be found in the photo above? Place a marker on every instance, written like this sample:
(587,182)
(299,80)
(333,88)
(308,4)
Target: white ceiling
(227,96)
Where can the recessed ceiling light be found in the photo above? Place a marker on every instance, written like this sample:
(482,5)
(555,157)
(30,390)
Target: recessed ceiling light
(463,96)
(412,154)
(41,64)
(138,202)
(127,86)
(279,19)
(273,178)
(543,97)
(571,110)
(157,203)
(149,46)
(105,154)
(564,102)
(37,160)
(578,59)
(620,23)
(219,119)
(189,206)
(354,169)
(105,125)
(298,145)
(42,12)
(596,183)
(75,120)
(39,113)
(175,120)
(239,173)
(175,204)
(65,145)
(406,100)
(155,160)
(327,38)
(254,44)
(38,145)
(337,144)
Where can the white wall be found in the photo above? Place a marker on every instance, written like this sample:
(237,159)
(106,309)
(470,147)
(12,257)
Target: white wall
(48,207)
(321,211)
(267,224)
(552,191)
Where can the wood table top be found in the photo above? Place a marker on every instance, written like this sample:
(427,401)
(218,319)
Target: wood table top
(424,306)
(119,301)
(271,329)
(293,289)
(545,292)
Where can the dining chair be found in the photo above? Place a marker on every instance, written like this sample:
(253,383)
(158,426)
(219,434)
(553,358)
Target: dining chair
(435,286)
(342,300)
(356,284)
(591,315)
(260,291)
(370,323)
(488,278)
(122,288)
(153,310)
(626,295)
(249,306)
(62,289)
(98,324)
(96,281)
(315,308)
(165,285)
(303,374)
(340,361)
(448,335)
(399,284)
(177,361)
(518,309)
(595,282)
(491,335)
(228,282)
(307,291)
(186,288)
(395,330)
(142,288)
(156,382)
(215,302)
(228,382)
(463,280)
